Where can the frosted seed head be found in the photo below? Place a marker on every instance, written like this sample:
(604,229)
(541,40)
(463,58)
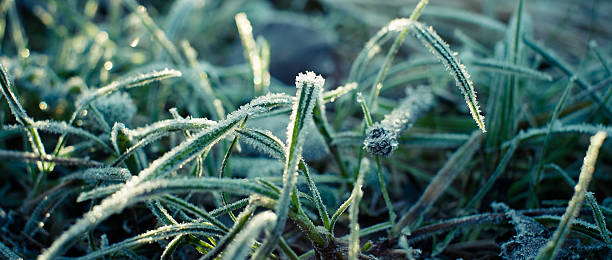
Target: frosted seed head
(380,140)
(309,79)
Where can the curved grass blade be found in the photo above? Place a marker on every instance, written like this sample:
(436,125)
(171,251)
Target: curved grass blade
(155,235)
(558,128)
(252,53)
(22,118)
(135,191)
(428,37)
(117,85)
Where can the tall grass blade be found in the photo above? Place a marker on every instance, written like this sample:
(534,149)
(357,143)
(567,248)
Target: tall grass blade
(309,87)
(573,208)
(251,53)
(268,143)
(553,118)
(356,196)
(155,31)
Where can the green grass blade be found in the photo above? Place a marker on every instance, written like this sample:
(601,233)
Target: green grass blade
(465,16)
(509,68)
(553,118)
(599,218)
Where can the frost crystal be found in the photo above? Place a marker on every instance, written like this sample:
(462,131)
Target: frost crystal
(309,79)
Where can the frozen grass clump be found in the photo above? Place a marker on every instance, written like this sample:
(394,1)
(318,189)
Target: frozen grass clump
(529,238)
(172,130)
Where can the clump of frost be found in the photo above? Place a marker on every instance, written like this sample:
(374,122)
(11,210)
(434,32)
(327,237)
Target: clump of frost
(381,137)
(309,79)
(380,140)
(530,237)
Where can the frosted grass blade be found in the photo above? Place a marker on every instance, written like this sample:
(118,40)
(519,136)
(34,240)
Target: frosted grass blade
(573,208)
(309,87)
(356,194)
(155,235)
(428,37)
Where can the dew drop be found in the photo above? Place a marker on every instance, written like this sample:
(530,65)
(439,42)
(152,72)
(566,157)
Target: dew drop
(108,65)
(135,42)
(25,53)
(43,106)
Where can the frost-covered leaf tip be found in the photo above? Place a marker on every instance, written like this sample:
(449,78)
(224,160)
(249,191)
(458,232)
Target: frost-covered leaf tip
(309,79)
